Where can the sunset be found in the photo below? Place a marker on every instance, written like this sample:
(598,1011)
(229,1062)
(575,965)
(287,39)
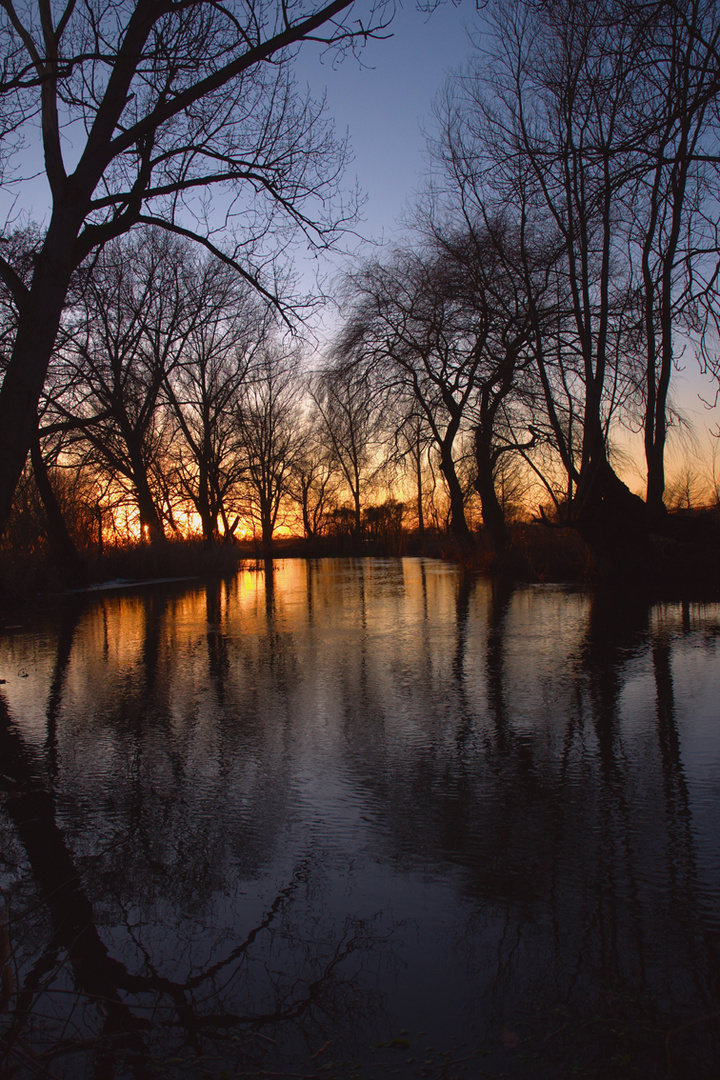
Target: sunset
(359,540)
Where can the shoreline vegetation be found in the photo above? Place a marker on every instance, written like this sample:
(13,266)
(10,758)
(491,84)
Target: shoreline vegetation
(681,562)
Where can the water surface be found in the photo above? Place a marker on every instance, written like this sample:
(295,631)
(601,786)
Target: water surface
(361,818)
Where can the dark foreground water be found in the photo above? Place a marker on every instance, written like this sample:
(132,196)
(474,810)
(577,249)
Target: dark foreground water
(360,819)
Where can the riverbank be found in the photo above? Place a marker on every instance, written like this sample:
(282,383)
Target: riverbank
(683,562)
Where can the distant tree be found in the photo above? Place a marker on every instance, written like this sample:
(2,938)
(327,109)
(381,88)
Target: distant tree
(269,433)
(383,523)
(412,440)
(61,542)
(351,423)
(132,326)
(314,479)
(204,388)
(397,333)
(444,325)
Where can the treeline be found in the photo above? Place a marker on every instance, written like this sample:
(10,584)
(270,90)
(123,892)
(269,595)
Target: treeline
(563,258)
(178,403)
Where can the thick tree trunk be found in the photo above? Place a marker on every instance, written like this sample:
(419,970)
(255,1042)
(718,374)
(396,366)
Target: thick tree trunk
(613,522)
(203,505)
(658,386)
(38,324)
(357,511)
(458,521)
(59,538)
(307,521)
(266,524)
(492,511)
(655,460)
(150,522)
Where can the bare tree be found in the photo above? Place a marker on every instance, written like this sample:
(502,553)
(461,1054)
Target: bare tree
(351,425)
(538,128)
(21,246)
(204,388)
(161,100)
(269,434)
(589,121)
(398,333)
(412,439)
(674,240)
(133,326)
(445,326)
(314,479)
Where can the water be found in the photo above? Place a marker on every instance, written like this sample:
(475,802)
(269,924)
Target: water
(361,818)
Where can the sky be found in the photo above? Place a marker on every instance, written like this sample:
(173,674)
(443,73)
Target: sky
(384,103)
(386,106)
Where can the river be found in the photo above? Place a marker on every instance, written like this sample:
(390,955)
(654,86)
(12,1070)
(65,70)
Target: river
(360,818)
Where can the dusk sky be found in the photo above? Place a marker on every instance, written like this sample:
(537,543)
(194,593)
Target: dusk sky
(387,102)
(386,106)
(384,102)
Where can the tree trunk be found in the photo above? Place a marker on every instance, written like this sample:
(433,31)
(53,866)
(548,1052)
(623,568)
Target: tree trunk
(357,514)
(458,522)
(658,386)
(150,522)
(38,323)
(307,523)
(492,511)
(613,522)
(266,524)
(655,461)
(419,486)
(59,538)
(203,505)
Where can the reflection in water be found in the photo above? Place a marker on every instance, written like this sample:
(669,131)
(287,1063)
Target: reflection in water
(379,812)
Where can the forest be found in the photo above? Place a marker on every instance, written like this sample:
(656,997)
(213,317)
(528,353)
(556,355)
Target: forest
(162,380)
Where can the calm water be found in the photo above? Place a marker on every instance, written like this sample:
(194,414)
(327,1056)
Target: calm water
(360,819)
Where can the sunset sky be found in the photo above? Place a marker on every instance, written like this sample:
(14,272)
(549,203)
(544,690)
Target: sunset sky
(386,107)
(384,103)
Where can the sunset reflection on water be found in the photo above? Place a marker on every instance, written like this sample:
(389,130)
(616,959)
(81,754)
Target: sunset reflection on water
(322,803)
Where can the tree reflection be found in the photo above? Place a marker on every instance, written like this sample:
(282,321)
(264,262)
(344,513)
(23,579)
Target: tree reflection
(66,636)
(133,1020)
(584,858)
(218,657)
(79,1000)
(241,797)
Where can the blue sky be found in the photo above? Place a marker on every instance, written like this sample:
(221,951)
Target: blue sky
(382,101)
(385,101)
